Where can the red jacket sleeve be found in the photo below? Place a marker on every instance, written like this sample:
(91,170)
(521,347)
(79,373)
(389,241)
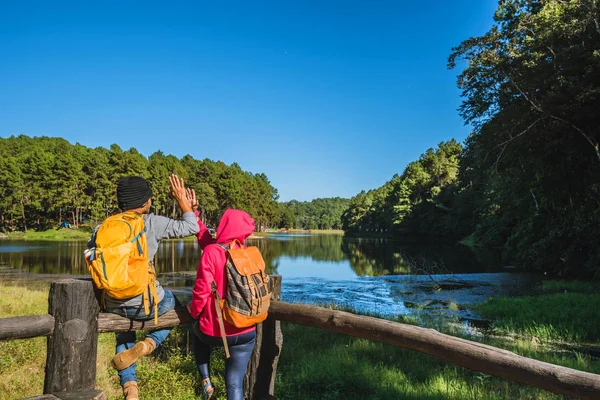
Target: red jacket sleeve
(204,279)
(204,236)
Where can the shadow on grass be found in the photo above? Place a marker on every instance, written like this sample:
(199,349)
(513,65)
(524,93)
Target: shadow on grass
(317,364)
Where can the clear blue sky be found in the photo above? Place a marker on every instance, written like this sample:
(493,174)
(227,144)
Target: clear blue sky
(325,97)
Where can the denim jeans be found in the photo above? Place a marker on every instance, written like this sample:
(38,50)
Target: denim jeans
(126,340)
(240,350)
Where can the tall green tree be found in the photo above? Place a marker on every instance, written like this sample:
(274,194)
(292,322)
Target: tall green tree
(531,87)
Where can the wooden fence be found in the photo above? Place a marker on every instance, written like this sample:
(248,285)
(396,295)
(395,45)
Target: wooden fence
(74,321)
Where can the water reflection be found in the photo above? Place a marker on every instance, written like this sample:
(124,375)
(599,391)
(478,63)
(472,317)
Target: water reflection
(369,275)
(326,256)
(42,257)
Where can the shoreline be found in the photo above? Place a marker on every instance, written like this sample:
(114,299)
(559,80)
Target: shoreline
(73,235)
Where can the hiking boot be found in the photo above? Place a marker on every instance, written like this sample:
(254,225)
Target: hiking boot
(126,358)
(130,391)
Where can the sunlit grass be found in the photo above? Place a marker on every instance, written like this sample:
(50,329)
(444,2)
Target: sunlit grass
(52,235)
(311,231)
(170,373)
(18,299)
(313,364)
(22,361)
(317,364)
(569,316)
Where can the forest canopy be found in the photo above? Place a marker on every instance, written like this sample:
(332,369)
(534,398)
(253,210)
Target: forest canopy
(527,181)
(46,180)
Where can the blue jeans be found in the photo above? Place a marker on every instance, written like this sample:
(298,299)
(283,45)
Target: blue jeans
(126,340)
(240,350)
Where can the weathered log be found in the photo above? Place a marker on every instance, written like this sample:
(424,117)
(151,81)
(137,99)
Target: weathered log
(26,327)
(82,395)
(262,366)
(108,322)
(468,354)
(77,395)
(71,358)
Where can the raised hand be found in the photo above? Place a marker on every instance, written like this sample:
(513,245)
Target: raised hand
(179,193)
(191,197)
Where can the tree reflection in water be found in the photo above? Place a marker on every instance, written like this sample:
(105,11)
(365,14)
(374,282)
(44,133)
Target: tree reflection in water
(366,257)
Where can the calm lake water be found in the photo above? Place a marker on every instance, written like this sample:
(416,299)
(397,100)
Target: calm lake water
(369,275)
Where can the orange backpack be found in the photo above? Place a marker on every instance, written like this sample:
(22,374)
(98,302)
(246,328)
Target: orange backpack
(248,296)
(119,264)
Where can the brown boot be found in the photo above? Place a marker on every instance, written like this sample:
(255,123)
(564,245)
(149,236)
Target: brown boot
(130,391)
(125,358)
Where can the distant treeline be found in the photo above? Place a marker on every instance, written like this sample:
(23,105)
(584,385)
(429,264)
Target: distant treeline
(527,181)
(47,180)
(415,203)
(323,213)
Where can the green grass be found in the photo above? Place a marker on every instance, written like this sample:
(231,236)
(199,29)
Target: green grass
(169,373)
(326,231)
(317,231)
(560,286)
(313,364)
(317,364)
(52,235)
(565,311)
(22,361)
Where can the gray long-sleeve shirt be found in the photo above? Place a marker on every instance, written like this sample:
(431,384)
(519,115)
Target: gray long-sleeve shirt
(157,228)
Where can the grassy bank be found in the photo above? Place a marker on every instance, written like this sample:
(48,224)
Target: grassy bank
(51,235)
(562,311)
(309,231)
(313,364)
(316,364)
(73,234)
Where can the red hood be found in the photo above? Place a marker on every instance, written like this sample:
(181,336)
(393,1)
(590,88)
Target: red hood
(234,224)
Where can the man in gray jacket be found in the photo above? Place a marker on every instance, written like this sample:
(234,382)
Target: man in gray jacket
(134,194)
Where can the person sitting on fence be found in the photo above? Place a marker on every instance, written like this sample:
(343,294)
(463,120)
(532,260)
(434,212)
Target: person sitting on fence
(134,197)
(234,225)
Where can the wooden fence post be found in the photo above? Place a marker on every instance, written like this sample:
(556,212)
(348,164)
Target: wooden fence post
(259,382)
(72,348)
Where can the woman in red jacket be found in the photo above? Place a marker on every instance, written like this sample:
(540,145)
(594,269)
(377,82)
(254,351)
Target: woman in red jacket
(234,224)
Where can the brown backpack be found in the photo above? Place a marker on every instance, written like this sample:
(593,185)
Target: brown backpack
(248,296)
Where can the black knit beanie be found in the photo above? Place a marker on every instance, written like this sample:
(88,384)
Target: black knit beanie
(133,192)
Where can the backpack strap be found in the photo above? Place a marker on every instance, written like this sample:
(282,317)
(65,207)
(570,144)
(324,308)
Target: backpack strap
(151,290)
(136,239)
(224,246)
(220,317)
(146,297)
(234,241)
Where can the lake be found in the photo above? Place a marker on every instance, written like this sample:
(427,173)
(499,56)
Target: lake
(369,275)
